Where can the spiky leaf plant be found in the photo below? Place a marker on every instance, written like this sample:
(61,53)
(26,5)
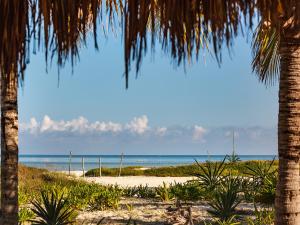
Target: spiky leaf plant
(52,209)
(210,174)
(233,158)
(263,181)
(226,198)
(261,171)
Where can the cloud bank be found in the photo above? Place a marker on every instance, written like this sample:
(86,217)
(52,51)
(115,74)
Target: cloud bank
(50,136)
(137,125)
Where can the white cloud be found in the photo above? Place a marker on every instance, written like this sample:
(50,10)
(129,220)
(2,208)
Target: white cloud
(161,131)
(32,126)
(138,137)
(198,132)
(138,125)
(229,134)
(106,127)
(81,125)
(50,125)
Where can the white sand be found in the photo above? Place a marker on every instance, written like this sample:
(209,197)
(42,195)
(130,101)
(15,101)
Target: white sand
(131,181)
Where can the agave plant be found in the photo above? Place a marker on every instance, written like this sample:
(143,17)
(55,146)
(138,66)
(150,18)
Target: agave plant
(233,158)
(225,198)
(261,170)
(264,179)
(266,192)
(52,209)
(210,174)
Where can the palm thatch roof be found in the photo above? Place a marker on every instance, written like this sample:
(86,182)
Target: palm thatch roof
(182,27)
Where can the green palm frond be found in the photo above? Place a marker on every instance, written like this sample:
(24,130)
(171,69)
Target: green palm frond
(265,49)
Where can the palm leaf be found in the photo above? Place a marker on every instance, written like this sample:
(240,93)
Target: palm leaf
(265,49)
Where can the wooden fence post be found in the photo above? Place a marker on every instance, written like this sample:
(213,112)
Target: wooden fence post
(100,167)
(70,161)
(121,162)
(83,173)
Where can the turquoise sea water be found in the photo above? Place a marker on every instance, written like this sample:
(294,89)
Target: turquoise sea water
(61,162)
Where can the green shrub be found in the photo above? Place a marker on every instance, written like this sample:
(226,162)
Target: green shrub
(24,197)
(264,216)
(164,193)
(107,198)
(225,198)
(130,191)
(81,194)
(144,191)
(189,191)
(25,215)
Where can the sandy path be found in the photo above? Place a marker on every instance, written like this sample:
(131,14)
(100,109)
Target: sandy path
(131,181)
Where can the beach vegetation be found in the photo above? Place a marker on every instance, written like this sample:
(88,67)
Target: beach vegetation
(262,181)
(106,198)
(52,209)
(237,168)
(225,198)
(25,215)
(164,193)
(189,191)
(233,158)
(210,174)
(140,191)
(231,221)
(263,216)
(253,182)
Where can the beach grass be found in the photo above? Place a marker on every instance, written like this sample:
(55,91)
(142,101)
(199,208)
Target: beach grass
(237,168)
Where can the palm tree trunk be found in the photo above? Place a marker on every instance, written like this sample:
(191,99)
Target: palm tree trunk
(9,151)
(287,201)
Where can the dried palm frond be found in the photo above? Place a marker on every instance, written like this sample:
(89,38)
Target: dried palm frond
(14,46)
(67,22)
(183,24)
(59,26)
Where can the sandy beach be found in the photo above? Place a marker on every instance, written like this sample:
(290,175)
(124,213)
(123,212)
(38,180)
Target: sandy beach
(131,181)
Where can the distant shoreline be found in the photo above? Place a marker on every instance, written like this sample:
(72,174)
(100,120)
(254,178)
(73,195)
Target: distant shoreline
(136,155)
(61,162)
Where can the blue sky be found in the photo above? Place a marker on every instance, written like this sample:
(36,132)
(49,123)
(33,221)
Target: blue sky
(166,110)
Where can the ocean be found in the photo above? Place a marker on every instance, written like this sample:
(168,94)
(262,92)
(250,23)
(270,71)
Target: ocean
(61,162)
